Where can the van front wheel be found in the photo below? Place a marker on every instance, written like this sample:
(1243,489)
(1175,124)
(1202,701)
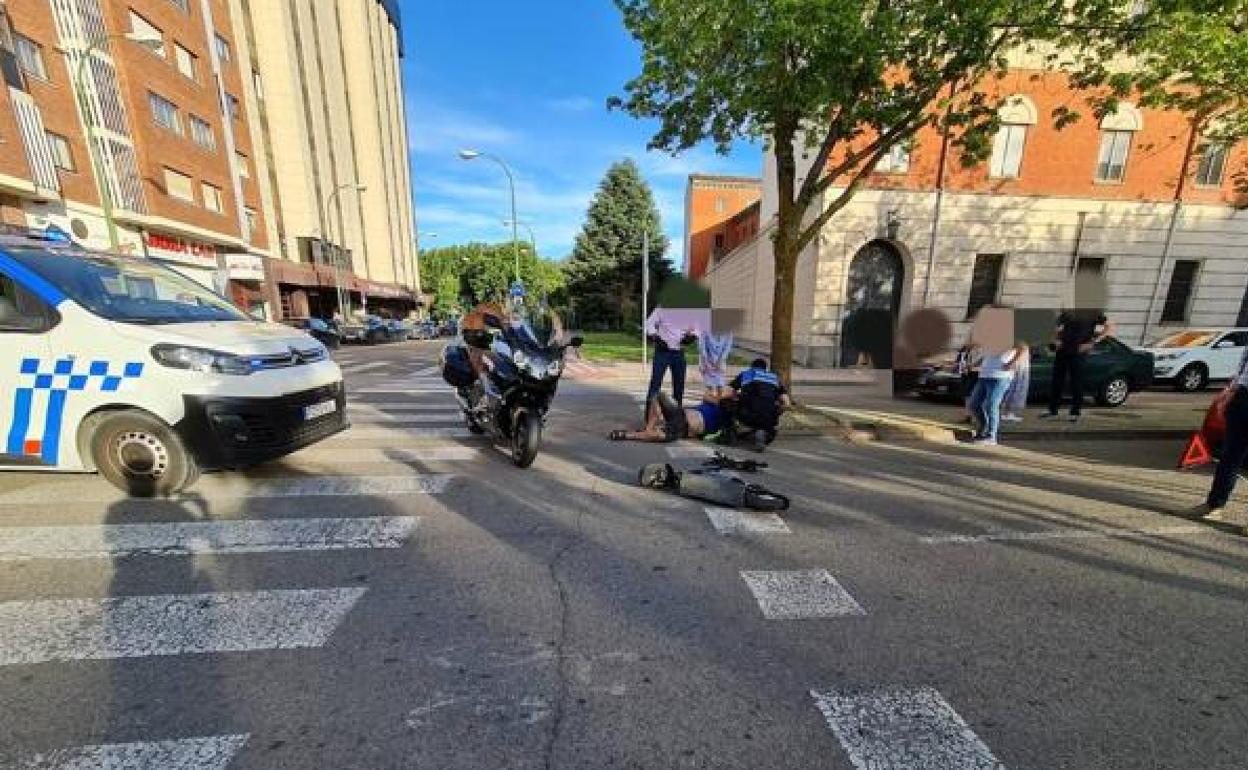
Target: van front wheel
(141,455)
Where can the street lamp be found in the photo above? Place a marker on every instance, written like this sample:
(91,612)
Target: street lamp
(344,300)
(150,42)
(532,237)
(511,181)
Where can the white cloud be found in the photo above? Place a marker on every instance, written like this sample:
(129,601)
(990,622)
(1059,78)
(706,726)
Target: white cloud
(575,104)
(437,130)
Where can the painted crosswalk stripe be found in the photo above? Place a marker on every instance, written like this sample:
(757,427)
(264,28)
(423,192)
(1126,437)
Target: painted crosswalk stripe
(800,594)
(400,408)
(687,451)
(429,371)
(189,537)
(903,728)
(411,418)
(399,390)
(210,753)
(1100,533)
(381,456)
(178,624)
(374,432)
(91,490)
(729,522)
(352,368)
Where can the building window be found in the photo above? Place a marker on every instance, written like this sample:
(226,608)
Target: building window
(185,5)
(1007,151)
(1111,164)
(179,186)
(721,205)
(165,113)
(259,85)
(233,108)
(188,63)
(223,48)
(250,220)
(145,29)
(896,160)
(212,197)
(202,133)
(30,56)
(1212,165)
(985,282)
(1179,297)
(244,167)
(62,154)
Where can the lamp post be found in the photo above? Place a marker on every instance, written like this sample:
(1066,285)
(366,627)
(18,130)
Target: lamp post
(511,182)
(532,237)
(151,42)
(344,299)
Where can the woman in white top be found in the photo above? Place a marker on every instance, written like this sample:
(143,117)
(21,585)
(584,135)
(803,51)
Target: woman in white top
(995,375)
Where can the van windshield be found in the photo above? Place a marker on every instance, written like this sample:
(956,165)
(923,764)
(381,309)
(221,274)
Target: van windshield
(127,290)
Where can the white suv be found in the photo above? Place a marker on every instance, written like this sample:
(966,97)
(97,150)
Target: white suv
(1190,359)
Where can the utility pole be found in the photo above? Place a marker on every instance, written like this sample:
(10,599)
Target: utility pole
(645,292)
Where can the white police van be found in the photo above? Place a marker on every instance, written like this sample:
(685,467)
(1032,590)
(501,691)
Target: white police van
(121,366)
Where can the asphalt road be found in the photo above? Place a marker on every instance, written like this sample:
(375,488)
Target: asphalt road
(402,597)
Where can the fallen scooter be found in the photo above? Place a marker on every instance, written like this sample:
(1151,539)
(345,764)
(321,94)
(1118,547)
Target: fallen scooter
(715,483)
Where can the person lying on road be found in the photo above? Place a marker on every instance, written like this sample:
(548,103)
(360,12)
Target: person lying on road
(666,421)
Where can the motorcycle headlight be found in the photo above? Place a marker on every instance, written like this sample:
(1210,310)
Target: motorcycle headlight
(555,368)
(520,359)
(200,360)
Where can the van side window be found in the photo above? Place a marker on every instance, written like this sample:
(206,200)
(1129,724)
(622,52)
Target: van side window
(20,311)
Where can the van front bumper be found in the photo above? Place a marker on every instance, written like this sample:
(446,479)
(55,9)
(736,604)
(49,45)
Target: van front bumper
(232,433)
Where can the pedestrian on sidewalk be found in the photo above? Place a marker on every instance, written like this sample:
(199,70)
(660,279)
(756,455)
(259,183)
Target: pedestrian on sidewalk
(670,342)
(964,367)
(995,375)
(713,352)
(1231,459)
(1077,332)
(1016,397)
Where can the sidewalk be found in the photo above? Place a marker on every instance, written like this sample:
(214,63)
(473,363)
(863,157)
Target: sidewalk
(635,372)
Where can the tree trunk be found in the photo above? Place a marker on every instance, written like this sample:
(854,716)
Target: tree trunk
(782,310)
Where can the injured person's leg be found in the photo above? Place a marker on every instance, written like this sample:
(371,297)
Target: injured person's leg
(665,422)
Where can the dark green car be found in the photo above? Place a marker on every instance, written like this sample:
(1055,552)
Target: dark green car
(1111,374)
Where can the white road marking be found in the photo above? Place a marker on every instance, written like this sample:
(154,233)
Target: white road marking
(728,522)
(383,456)
(1100,533)
(212,753)
(901,728)
(395,409)
(411,418)
(800,594)
(686,451)
(430,371)
(187,537)
(371,433)
(91,490)
(398,390)
(361,368)
(178,624)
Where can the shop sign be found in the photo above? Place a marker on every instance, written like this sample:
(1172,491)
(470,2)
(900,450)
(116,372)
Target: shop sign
(244,267)
(183,252)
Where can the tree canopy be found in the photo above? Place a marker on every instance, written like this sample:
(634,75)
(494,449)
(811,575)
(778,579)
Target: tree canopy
(604,271)
(836,84)
(478,272)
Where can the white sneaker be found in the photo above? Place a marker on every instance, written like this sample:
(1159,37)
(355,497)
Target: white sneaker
(1204,512)
(1011,418)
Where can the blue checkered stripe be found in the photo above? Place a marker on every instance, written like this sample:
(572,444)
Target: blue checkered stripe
(64,378)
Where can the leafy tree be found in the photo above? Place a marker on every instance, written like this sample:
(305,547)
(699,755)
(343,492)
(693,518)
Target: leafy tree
(832,86)
(478,272)
(604,271)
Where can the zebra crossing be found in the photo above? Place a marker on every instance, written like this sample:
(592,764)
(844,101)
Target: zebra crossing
(373,459)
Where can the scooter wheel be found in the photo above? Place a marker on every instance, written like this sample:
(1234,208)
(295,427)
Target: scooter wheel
(526,438)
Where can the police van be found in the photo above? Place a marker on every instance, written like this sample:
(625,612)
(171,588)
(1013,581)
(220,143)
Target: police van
(122,366)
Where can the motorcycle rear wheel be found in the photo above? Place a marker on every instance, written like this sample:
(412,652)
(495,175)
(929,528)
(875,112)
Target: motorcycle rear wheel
(526,438)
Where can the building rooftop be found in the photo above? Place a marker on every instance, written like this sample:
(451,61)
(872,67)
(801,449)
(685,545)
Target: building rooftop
(745,180)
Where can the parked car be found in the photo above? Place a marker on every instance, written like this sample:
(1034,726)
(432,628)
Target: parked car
(376,331)
(354,332)
(1192,358)
(422,331)
(320,330)
(1113,372)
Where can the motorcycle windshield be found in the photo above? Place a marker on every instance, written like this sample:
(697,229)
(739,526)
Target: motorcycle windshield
(540,334)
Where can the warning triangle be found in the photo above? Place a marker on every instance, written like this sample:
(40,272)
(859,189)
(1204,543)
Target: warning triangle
(1196,453)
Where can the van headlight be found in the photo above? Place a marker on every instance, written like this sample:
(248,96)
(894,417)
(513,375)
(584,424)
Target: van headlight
(200,360)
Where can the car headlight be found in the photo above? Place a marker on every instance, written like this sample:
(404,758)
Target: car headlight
(200,360)
(1167,356)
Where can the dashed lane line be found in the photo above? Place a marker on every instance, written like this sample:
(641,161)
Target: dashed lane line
(90,490)
(1096,533)
(800,594)
(728,521)
(902,728)
(203,537)
(209,753)
(177,624)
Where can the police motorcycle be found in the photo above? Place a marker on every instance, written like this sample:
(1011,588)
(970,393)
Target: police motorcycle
(523,360)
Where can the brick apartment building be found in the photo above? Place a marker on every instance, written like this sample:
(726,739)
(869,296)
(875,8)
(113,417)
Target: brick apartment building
(717,218)
(1100,197)
(174,100)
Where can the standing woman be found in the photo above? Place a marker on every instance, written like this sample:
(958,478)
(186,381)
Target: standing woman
(1231,458)
(669,343)
(1016,398)
(995,375)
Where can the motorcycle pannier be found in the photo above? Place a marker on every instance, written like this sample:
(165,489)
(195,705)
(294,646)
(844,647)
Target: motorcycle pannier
(456,368)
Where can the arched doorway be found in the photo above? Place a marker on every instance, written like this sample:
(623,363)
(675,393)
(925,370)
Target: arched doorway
(873,299)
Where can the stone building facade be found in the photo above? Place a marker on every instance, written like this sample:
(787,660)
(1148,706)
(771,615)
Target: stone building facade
(1099,196)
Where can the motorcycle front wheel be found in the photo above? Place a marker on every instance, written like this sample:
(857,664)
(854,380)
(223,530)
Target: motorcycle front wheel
(526,437)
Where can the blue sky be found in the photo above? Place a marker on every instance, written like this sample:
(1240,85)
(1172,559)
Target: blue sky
(529,81)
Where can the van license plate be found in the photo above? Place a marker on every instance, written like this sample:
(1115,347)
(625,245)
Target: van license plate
(319,410)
